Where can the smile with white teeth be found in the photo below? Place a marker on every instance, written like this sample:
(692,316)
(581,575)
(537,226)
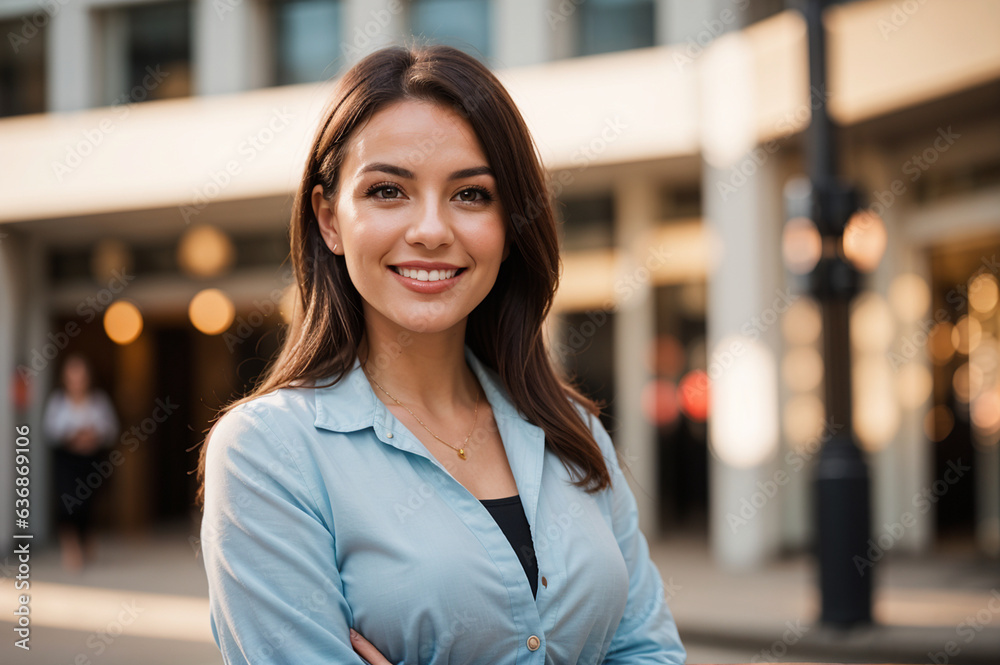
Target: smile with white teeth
(425,275)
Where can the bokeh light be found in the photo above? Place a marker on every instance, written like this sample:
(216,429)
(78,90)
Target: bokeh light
(211,311)
(801,245)
(802,368)
(695,396)
(110,259)
(942,342)
(872,326)
(966,335)
(865,240)
(744,430)
(938,423)
(667,356)
(122,322)
(205,251)
(985,412)
(913,385)
(909,296)
(983,293)
(802,420)
(802,322)
(876,410)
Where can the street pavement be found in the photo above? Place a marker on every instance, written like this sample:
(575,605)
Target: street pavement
(144,600)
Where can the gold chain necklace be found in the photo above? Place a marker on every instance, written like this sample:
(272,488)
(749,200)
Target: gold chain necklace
(460,451)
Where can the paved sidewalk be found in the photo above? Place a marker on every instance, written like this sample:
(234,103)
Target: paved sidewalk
(923,609)
(145,601)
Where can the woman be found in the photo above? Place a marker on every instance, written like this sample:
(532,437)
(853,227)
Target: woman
(80,424)
(412,467)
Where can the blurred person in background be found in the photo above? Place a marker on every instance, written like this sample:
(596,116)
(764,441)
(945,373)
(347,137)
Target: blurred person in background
(80,425)
(413,480)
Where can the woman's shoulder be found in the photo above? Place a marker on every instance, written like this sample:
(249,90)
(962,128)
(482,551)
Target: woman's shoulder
(262,430)
(290,404)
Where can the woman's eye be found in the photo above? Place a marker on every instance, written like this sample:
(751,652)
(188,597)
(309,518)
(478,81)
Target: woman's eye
(471,194)
(387,192)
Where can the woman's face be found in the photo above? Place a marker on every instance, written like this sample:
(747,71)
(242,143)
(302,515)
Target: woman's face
(76,378)
(417,217)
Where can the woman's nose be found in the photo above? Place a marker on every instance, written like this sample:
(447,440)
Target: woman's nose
(431,226)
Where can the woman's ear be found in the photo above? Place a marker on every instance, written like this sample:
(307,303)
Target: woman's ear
(327,219)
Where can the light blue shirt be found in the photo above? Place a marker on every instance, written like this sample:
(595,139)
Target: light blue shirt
(323,512)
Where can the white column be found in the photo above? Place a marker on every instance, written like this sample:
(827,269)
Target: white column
(746,298)
(522,32)
(72,52)
(10,283)
(24,328)
(695,23)
(371,24)
(635,327)
(230,45)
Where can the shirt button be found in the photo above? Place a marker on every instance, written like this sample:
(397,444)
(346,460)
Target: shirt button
(545,582)
(534,643)
(388,435)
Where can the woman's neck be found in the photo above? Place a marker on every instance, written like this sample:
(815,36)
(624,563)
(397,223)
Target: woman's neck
(425,372)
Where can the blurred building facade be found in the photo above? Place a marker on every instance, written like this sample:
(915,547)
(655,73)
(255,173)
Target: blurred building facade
(150,151)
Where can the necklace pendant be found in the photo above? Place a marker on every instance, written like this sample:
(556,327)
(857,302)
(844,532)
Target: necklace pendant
(461,453)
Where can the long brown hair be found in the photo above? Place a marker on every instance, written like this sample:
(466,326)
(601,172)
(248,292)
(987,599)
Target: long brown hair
(505,329)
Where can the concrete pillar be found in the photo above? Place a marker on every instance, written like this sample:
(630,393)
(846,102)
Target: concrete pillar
(25,346)
(746,298)
(230,46)
(72,51)
(635,329)
(522,32)
(11,281)
(371,24)
(696,23)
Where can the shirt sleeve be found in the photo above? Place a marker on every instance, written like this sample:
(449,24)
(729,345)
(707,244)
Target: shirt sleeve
(107,419)
(647,633)
(53,424)
(275,592)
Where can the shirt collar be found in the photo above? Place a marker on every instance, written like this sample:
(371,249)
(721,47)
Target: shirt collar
(351,404)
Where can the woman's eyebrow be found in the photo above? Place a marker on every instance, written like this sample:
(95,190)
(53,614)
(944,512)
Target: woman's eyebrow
(399,171)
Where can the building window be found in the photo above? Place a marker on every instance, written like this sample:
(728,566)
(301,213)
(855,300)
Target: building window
(587,223)
(307,40)
(147,52)
(22,66)
(615,25)
(464,24)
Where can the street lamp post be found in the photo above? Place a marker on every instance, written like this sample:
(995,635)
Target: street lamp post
(841,482)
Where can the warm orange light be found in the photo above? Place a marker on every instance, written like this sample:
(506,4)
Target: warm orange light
(801,245)
(122,322)
(802,368)
(205,251)
(909,297)
(694,397)
(941,342)
(211,311)
(865,240)
(983,293)
(802,323)
(966,335)
(802,420)
(938,423)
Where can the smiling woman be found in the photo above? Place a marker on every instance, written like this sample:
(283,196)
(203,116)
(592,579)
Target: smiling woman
(413,481)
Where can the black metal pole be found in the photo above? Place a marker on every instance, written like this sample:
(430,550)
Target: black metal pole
(841,482)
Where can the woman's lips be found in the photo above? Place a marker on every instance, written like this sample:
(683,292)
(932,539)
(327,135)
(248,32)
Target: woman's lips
(428,287)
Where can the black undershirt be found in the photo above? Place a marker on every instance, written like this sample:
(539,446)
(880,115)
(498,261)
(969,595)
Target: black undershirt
(509,515)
